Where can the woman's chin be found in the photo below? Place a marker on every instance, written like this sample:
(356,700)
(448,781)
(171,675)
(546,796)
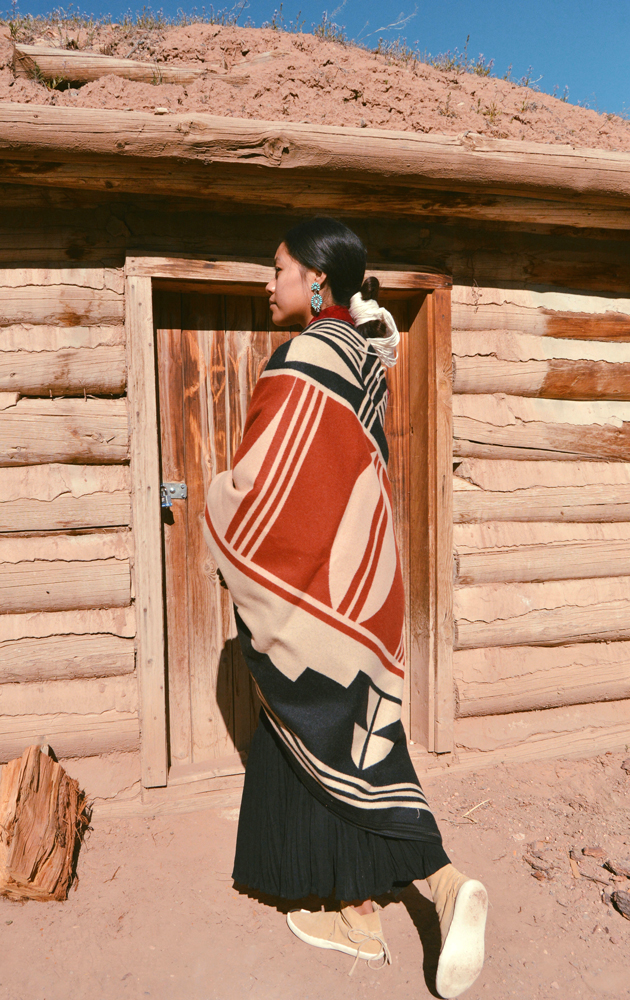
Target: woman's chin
(281,321)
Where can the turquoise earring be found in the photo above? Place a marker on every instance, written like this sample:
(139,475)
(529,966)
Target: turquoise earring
(316,299)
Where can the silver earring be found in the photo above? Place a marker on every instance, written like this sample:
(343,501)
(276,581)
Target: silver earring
(316,299)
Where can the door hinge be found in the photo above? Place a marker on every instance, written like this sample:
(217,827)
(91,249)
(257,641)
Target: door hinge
(172,491)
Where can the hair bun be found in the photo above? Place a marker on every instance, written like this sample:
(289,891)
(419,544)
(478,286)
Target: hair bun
(370,288)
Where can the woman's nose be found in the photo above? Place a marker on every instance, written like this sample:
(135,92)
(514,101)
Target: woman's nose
(270,287)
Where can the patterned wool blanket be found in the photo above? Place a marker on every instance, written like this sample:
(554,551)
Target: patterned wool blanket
(302,531)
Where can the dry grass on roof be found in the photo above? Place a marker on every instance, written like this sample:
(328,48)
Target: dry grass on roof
(308,78)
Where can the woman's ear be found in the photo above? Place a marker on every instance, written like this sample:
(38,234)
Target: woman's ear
(321,278)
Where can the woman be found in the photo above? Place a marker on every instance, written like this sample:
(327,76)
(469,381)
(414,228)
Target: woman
(302,531)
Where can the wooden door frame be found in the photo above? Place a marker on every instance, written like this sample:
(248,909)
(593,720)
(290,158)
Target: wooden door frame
(431,516)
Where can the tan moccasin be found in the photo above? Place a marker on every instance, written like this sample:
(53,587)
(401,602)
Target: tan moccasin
(343,930)
(462,905)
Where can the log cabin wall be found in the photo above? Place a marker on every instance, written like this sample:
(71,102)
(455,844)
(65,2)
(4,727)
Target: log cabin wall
(541,413)
(67,671)
(542,481)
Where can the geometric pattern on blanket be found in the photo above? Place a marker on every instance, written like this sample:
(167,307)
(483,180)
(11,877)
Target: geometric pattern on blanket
(302,531)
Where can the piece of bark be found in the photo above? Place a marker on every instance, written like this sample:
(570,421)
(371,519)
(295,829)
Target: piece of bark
(621,901)
(43,816)
(621,867)
(539,863)
(594,852)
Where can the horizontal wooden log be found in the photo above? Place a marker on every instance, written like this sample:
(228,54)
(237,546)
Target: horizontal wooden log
(547,428)
(65,656)
(524,678)
(580,725)
(51,586)
(98,279)
(62,572)
(36,338)
(504,166)
(507,476)
(69,371)
(70,735)
(52,497)
(222,184)
(71,548)
(39,360)
(102,621)
(542,614)
(62,297)
(218,157)
(542,314)
(611,327)
(544,503)
(61,306)
(487,535)
(88,696)
(37,431)
(56,645)
(77,66)
(555,379)
(572,560)
(498,361)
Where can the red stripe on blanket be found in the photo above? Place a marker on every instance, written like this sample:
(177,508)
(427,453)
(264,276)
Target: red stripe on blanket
(294,452)
(376,555)
(367,556)
(273,393)
(319,613)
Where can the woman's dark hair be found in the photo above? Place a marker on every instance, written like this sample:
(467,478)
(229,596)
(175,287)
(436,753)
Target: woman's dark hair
(325,244)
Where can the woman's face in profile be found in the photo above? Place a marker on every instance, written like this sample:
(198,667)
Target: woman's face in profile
(290,291)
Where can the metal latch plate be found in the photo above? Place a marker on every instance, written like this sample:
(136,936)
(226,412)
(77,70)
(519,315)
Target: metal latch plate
(172,491)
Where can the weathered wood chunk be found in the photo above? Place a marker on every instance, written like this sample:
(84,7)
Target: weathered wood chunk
(621,900)
(43,816)
(620,867)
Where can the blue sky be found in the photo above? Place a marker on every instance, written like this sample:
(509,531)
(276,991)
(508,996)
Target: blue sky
(579,44)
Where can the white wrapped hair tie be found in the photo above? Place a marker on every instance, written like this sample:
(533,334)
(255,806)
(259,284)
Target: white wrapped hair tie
(365,311)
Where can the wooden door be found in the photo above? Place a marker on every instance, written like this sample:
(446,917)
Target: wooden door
(210,352)
(211,348)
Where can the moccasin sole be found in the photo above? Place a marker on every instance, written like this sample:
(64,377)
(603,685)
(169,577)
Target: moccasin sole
(461,958)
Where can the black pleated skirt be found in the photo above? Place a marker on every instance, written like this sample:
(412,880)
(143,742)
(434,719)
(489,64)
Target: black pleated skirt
(290,845)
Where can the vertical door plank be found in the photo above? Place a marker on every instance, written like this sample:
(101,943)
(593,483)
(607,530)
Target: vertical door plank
(397,433)
(443,386)
(421,568)
(167,310)
(431,524)
(145,473)
(206,455)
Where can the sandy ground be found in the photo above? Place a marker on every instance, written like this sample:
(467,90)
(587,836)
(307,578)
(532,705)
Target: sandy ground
(309,79)
(156,914)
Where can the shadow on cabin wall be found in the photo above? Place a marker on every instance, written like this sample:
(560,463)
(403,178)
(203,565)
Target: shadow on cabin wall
(60,228)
